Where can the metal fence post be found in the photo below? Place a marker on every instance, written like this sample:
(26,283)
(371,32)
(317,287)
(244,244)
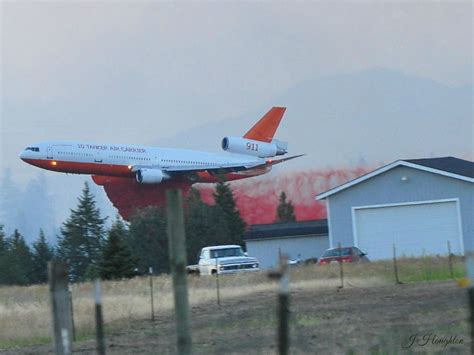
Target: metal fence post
(177,251)
(395,267)
(217,282)
(150,270)
(72,315)
(450,260)
(60,307)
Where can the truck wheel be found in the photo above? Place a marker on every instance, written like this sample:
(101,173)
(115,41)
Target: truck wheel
(213,272)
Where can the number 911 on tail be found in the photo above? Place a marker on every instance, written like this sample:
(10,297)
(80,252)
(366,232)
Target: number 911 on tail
(239,145)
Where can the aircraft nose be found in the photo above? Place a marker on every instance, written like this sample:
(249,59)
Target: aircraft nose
(22,155)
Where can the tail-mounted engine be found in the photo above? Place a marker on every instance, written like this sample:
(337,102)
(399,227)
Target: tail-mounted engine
(260,149)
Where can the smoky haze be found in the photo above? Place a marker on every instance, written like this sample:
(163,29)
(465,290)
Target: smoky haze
(364,83)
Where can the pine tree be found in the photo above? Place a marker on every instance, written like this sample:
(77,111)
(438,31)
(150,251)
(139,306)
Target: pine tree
(3,241)
(148,239)
(197,222)
(205,225)
(285,210)
(4,257)
(81,239)
(224,198)
(117,260)
(18,261)
(42,254)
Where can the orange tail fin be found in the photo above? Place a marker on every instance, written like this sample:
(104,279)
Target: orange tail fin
(265,129)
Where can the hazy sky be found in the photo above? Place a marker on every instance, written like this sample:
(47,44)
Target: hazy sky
(151,72)
(137,72)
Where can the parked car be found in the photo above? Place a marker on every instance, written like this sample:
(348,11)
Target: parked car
(343,254)
(296,261)
(299,261)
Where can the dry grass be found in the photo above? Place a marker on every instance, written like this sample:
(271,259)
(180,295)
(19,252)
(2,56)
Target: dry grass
(25,314)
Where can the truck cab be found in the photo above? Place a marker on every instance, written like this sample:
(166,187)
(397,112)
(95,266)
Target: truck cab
(225,259)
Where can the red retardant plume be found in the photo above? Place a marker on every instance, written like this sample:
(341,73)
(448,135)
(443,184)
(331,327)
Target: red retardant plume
(256,198)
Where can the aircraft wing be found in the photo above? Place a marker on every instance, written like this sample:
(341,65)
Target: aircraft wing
(222,168)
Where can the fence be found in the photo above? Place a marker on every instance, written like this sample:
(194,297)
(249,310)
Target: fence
(154,295)
(25,311)
(397,271)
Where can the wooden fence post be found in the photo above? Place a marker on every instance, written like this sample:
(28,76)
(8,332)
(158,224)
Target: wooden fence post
(60,307)
(177,252)
(99,321)
(283,308)
(341,270)
(470,292)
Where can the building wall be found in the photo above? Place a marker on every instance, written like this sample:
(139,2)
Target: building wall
(388,188)
(267,250)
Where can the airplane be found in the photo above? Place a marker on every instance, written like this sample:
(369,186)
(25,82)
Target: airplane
(148,170)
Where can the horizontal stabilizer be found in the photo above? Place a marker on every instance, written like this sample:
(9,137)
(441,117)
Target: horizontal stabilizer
(278,161)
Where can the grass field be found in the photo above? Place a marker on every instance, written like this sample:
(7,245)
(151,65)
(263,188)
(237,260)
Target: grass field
(25,313)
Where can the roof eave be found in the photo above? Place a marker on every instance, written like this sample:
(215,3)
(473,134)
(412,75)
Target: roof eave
(385,168)
(322,234)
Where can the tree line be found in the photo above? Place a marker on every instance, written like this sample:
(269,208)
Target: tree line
(125,249)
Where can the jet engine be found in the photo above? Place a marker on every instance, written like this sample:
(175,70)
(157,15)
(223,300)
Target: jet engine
(260,149)
(151,176)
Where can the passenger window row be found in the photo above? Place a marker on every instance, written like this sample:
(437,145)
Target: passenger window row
(124,157)
(75,153)
(187,162)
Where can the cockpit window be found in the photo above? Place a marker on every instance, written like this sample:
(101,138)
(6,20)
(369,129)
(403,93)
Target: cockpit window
(33,149)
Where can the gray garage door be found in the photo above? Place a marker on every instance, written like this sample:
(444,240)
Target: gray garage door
(416,229)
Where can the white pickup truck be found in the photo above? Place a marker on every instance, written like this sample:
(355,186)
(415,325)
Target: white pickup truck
(223,259)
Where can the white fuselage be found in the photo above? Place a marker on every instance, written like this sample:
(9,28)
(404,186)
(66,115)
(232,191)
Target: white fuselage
(123,160)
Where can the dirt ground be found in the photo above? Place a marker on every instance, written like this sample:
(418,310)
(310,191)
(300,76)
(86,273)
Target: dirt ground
(378,319)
